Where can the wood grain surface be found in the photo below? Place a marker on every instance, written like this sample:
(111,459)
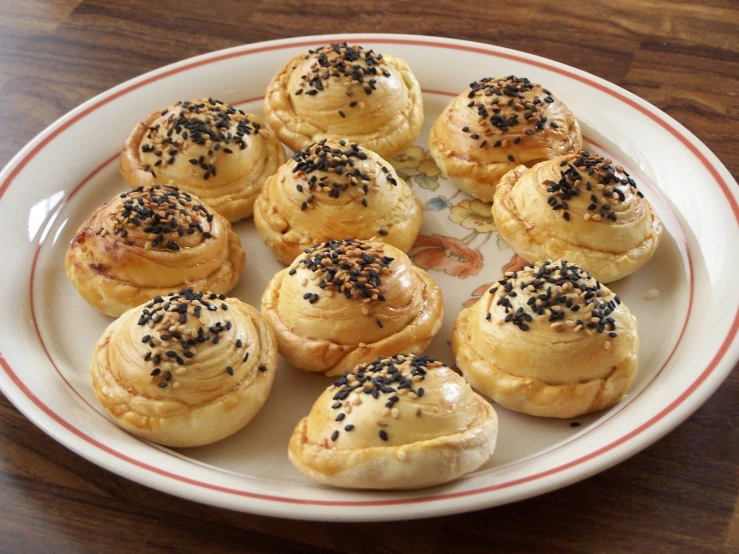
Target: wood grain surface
(680,495)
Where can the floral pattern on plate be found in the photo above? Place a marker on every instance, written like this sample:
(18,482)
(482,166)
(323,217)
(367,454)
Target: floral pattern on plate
(459,245)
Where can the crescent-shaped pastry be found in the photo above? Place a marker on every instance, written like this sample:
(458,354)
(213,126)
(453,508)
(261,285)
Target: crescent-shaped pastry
(403,422)
(151,241)
(548,340)
(496,125)
(331,190)
(581,208)
(344,91)
(186,369)
(207,148)
(345,302)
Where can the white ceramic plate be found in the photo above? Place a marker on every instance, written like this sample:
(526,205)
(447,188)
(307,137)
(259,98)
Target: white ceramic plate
(687,333)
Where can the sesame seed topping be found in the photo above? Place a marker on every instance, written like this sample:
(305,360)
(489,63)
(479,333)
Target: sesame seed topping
(175,325)
(208,123)
(587,172)
(332,168)
(506,104)
(390,379)
(351,66)
(350,267)
(162,213)
(554,292)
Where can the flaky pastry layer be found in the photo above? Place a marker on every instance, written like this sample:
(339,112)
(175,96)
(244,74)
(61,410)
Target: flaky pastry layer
(474,149)
(115,273)
(384,115)
(239,172)
(322,331)
(294,211)
(535,225)
(203,402)
(424,428)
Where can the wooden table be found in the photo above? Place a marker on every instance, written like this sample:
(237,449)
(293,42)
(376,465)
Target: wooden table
(679,495)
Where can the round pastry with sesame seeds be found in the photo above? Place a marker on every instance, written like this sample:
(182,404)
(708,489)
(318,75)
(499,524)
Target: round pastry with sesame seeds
(345,91)
(150,241)
(581,207)
(344,302)
(208,148)
(335,189)
(398,422)
(496,125)
(548,340)
(185,369)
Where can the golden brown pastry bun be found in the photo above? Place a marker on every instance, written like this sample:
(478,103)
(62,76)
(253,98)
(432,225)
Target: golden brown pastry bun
(345,302)
(403,422)
(548,340)
(580,208)
(496,125)
(207,148)
(186,369)
(331,190)
(342,91)
(150,241)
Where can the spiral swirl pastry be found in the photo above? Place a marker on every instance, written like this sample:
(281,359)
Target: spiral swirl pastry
(579,207)
(185,369)
(331,190)
(548,340)
(344,302)
(496,125)
(399,422)
(208,148)
(345,91)
(148,242)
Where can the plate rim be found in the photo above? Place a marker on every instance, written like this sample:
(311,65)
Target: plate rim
(718,368)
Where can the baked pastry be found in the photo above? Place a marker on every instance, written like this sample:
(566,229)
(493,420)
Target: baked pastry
(150,241)
(403,422)
(581,208)
(344,91)
(185,369)
(333,190)
(496,125)
(345,302)
(207,148)
(548,340)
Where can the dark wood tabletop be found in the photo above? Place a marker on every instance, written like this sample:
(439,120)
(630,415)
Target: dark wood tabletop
(679,495)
